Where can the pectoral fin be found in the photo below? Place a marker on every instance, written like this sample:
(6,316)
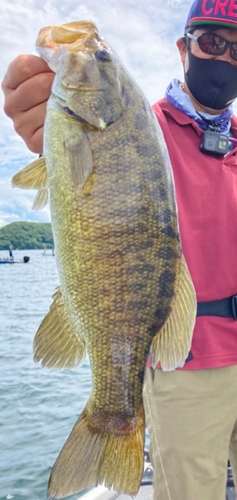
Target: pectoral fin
(81,161)
(171,344)
(34,176)
(56,343)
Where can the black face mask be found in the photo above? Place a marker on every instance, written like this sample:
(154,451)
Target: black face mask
(212,83)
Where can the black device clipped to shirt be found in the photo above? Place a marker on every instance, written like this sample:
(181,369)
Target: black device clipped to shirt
(213,142)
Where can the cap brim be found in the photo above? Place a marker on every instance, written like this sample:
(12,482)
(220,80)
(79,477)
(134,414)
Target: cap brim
(211,20)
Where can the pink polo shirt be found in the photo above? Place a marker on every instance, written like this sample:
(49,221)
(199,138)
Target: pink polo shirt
(206,191)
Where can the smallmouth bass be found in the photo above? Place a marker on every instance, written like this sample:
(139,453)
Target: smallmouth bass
(124,288)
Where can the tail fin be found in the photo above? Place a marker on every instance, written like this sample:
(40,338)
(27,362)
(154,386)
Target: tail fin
(90,458)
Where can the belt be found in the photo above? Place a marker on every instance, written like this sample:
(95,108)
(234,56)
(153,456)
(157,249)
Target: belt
(226,308)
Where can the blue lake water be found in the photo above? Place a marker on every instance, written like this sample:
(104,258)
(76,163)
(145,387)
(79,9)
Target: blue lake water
(38,407)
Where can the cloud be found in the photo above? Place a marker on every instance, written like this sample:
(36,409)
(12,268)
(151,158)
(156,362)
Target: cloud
(15,205)
(142,33)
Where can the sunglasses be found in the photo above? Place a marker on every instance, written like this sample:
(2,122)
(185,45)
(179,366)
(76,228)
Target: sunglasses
(215,45)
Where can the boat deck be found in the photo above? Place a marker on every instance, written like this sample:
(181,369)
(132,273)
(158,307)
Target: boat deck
(146,490)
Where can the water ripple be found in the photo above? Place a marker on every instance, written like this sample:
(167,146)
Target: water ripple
(38,406)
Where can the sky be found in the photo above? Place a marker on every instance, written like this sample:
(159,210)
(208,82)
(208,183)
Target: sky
(142,32)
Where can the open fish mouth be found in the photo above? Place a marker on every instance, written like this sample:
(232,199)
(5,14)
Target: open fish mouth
(61,104)
(71,113)
(66,110)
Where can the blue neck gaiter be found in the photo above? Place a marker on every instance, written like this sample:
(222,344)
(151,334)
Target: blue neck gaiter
(180,100)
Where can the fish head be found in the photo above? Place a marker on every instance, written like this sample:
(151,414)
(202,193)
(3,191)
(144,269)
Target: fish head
(89,80)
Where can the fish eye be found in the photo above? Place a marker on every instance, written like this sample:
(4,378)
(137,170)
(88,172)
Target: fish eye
(103,55)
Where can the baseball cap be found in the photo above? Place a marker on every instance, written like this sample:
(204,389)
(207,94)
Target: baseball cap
(221,12)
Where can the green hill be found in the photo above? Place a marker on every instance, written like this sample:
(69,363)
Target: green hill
(26,236)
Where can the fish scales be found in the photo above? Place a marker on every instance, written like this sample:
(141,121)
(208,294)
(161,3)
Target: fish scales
(124,286)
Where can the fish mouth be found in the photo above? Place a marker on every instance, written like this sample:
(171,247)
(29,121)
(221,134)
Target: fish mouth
(71,113)
(83,88)
(66,110)
(61,104)
(96,127)
(79,118)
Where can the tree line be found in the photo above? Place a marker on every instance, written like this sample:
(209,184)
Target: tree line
(26,236)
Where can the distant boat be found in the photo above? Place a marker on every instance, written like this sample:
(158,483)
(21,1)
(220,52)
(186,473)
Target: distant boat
(6,260)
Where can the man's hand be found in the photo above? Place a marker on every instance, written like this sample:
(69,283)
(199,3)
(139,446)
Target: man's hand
(26,86)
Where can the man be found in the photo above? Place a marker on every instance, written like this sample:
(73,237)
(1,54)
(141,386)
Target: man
(191,413)
(10,252)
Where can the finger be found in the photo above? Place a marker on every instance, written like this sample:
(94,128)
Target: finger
(21,69)
(35,142)
(30,93)
(29,125)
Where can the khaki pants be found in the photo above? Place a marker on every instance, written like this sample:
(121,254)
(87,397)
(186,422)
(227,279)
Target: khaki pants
(192,420)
